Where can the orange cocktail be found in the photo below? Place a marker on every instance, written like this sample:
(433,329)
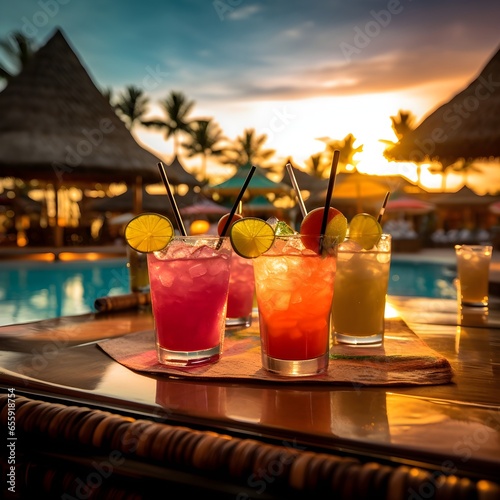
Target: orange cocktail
(294,288)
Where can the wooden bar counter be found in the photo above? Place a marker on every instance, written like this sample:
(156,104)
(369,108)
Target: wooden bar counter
(87,427)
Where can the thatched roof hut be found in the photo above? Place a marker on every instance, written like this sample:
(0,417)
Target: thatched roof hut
(57,126)
(467,127)
(176,171)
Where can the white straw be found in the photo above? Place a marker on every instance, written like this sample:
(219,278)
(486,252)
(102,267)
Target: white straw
(300,201)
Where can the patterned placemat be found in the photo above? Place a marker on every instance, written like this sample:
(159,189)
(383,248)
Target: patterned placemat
(404,359)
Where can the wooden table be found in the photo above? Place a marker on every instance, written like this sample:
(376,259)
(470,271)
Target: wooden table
(450,432)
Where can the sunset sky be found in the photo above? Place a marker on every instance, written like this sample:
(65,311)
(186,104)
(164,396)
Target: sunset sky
(295,70)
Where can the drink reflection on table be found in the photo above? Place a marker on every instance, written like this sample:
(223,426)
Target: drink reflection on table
(360,414)
(201,399)
(470,343)
(307,410)
(472,316)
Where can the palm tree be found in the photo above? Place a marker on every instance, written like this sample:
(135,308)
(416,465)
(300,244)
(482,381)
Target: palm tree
(177,108)
(19,49)
(315,165)
(248,149)
(346,148)
(205,135)
(403,123)
(131,106)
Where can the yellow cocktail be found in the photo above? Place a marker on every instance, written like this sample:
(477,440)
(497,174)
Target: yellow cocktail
(360,292)
(473,263)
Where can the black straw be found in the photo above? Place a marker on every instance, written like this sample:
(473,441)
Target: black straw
(329,192)
(236,204)
(382,208)
(175,209)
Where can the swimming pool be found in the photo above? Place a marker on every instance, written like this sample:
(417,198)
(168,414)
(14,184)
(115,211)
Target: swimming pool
(31,291)
(422,279)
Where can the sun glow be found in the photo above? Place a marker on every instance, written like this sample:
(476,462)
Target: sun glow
(294,130)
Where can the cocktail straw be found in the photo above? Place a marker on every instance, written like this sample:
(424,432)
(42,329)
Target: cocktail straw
(175,209)
(236,204)
(298,194)
(382,208)
(329,191)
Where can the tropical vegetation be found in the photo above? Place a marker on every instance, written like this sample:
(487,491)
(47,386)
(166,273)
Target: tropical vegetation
(202,137)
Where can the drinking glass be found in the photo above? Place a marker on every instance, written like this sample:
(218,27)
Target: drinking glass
(360,292)
(137,264)
(189,285)
(473,266)
(294,289)
(241,292)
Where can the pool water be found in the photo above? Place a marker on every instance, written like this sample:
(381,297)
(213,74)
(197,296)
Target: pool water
(422,279)
(31,291)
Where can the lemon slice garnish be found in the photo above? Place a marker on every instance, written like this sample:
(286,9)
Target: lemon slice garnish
(365,230)
(149,232)
(251,237)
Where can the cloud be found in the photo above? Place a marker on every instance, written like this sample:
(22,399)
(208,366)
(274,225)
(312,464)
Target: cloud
(243,13)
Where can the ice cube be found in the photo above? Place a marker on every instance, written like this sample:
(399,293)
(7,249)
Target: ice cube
(272,221)
(217,266)
(350,246)
(203,252)
(383,258)
(178,250)
(166,276)
(294,246)
(282,301)
(197,269)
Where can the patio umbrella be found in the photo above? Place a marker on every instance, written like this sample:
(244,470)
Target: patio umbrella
(495,208)
(203,206)
(468,126)
(306,182)
(357,185)
(260,183)
(409,206)
(259,204)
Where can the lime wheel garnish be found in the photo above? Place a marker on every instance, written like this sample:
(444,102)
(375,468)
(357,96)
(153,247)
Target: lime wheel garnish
(365,230)
(251,237)
(149,232)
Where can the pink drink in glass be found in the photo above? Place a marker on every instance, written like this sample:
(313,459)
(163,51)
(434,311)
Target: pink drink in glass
(241,292)
(189,285)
